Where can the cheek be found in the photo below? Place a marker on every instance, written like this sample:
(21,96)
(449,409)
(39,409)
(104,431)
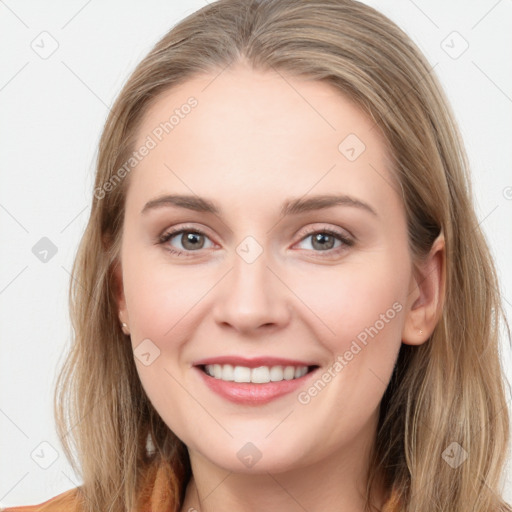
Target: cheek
(162,301)
(161,295)
(363,308)
(351,298)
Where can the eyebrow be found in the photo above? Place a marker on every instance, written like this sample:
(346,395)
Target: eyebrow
(292,206)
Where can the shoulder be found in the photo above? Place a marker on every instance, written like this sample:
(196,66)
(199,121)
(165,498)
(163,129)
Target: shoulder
(68,501)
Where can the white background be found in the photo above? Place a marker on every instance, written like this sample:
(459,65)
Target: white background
(52,113)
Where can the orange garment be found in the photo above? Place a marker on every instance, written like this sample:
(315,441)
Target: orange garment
(154,497)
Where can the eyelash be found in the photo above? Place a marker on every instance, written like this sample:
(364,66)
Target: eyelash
(164,238)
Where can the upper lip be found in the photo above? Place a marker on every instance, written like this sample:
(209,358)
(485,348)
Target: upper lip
(252,362)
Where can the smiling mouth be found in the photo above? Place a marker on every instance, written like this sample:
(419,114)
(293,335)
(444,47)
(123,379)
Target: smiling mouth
(258,375)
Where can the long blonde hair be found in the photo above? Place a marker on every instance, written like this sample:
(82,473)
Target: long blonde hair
(447,390)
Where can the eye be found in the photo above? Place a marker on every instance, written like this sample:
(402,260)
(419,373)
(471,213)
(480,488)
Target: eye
(324,240)
(191,239)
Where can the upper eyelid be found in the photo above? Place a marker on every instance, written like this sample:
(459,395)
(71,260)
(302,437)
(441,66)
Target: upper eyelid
(305,231)
(342,232)
(173,232)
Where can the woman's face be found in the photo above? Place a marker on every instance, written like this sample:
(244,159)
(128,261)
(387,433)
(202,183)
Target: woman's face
(304,263)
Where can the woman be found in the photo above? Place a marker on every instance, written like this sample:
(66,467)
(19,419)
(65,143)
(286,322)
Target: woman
(283,300)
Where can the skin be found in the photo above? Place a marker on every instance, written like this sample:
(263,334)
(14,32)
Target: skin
(253,141)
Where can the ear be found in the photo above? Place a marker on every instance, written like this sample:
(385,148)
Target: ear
(426,295)
(117,278)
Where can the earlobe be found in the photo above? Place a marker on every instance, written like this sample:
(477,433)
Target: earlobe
(426,298)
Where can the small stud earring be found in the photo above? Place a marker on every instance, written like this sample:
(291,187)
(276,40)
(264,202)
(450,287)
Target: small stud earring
(125,328)
(421,332)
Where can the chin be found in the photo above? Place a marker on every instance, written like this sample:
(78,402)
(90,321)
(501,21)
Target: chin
(255,457)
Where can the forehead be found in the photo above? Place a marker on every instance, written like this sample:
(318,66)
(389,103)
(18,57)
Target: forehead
(242,133)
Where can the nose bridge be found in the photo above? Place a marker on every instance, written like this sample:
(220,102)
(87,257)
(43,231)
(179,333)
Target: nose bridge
(252,296)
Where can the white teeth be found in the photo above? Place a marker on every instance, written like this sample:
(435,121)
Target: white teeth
(276,373)
(227,372)
(217,371)
(242,374)
(300,371)
(289,372)
(259,375)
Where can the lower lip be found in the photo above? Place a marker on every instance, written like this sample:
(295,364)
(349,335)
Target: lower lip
(249,393)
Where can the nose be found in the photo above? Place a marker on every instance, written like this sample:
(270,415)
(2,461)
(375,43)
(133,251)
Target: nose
(252,298)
